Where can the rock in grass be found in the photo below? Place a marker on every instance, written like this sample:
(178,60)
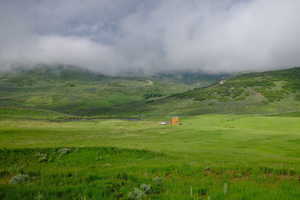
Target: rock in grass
(140,193)
(42,157)
(145,188)
(136,194)
(18,179)
(157,180)
(64,151)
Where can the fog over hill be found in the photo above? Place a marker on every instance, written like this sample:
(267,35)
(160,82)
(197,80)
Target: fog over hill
(119,36)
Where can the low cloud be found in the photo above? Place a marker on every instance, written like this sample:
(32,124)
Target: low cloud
(119,36)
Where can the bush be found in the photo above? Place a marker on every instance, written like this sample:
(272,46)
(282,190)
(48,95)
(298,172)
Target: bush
(136,194)
(152,95)
(18,179)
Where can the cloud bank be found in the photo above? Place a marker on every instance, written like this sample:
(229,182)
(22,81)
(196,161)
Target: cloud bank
(118,36)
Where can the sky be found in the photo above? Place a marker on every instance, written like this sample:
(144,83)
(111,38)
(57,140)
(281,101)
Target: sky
(117,36)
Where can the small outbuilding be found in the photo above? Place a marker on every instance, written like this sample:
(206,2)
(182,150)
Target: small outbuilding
(175,120)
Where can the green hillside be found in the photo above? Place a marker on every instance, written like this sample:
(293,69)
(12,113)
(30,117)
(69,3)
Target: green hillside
(265,92)
(75,91)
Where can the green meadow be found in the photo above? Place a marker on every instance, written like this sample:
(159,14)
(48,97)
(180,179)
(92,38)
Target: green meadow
(67,133)
(211,157)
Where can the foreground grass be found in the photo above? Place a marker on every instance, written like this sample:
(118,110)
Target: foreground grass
(207,157)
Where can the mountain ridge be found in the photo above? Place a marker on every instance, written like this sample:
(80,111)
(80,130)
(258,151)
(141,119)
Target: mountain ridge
(77,91)
(267,92)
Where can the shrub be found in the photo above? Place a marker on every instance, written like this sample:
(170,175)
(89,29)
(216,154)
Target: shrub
(18,179)
(136,194)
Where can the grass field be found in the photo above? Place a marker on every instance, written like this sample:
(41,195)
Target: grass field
(236,157)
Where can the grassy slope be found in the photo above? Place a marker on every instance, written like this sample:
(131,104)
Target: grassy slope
(75,91)
(256,156)
(33,114)
(266,92)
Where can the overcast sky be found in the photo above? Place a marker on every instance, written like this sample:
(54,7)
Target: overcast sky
(113,36)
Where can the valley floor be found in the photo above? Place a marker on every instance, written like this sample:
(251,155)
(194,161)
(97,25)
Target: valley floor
(207,157)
